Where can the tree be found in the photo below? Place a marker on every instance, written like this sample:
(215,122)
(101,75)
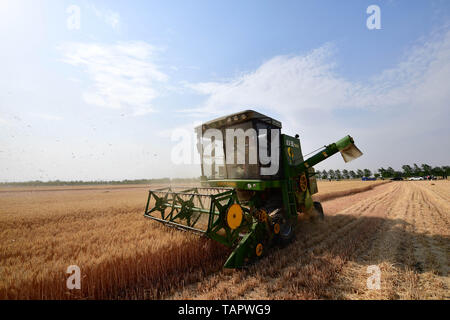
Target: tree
(376,175)
(383,172)
(367,173)
(359,173)
(398,174)
(407,170)
(446,170)
(324,174)
(352,174)
(437,172)
(345,174)
(416,171)
(426,169)
(390,172)
(338,174)
(331,174)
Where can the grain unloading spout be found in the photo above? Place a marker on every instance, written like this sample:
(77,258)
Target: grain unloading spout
(348,149)
(346,146)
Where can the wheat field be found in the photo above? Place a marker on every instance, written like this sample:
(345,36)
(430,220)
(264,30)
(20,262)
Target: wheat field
(101,230)
(122,255)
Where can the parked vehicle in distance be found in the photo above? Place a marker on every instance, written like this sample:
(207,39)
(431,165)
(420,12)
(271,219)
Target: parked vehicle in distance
(397,179)
(415,178)
(368,179)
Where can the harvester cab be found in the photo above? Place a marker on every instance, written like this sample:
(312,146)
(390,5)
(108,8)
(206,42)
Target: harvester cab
(255,183)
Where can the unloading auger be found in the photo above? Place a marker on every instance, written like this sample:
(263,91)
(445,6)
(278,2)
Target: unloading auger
(239,204)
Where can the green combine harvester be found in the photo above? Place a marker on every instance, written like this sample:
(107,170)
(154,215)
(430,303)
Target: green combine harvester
(247,205)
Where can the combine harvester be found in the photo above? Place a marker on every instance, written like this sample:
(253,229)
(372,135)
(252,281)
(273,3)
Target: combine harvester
(251,205)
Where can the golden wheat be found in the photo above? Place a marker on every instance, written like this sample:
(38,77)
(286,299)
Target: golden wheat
(120,253)
(101,231)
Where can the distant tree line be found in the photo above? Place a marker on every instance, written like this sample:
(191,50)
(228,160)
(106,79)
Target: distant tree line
(406,172)
(99,182)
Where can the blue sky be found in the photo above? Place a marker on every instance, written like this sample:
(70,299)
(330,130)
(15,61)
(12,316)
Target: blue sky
(101,100)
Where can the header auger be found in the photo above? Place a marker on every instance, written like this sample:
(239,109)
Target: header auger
(254,202)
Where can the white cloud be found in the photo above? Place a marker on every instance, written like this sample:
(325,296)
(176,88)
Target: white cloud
(123,75)
(396,115)
(420,80)
(282,83)
(309,82)
(112,18)
(188,128)
(3,121)
(48,117)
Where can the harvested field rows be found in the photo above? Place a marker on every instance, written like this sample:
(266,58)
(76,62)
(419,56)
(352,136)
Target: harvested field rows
(412,249)
(400,227)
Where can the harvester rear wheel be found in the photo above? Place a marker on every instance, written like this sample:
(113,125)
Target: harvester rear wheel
(319,210)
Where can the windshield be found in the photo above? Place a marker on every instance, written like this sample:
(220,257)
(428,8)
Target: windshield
(213,159)
(232,152)
(241,151)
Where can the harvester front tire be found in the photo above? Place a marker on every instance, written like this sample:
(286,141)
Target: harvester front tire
(285,229)
(287,233)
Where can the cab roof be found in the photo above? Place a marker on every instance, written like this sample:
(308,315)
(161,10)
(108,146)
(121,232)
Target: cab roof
(239,117)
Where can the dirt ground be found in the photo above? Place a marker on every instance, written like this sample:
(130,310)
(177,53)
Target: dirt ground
(402,228)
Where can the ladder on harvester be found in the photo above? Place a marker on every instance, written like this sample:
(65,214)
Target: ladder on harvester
(291,200)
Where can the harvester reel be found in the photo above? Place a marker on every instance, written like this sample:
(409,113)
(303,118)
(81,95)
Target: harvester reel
(160,204)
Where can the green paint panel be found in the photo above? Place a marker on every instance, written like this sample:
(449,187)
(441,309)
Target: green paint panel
(257,185)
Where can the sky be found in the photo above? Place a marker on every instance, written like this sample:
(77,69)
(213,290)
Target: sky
(95,90)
